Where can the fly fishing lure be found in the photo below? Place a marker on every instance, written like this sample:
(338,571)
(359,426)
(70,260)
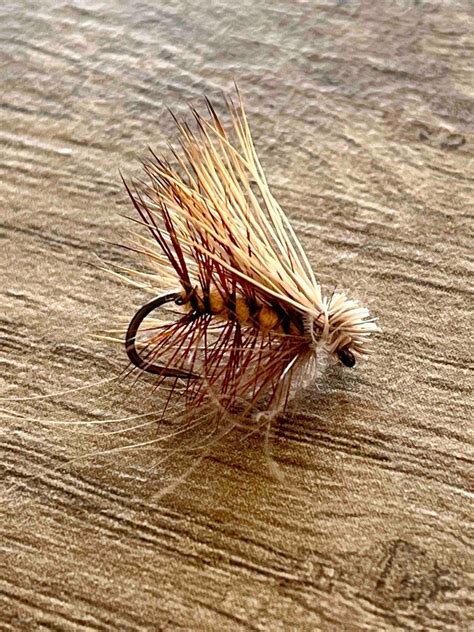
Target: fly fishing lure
(253,318)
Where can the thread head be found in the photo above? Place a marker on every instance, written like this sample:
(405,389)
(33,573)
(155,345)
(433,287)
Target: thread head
(346,357)
(349,328)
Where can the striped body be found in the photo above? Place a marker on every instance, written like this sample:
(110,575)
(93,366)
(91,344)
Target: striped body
(265,318)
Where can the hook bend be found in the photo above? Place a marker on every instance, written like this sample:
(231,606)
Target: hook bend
(130,340)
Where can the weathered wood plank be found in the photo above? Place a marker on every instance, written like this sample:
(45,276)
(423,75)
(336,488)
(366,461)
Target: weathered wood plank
(363,117)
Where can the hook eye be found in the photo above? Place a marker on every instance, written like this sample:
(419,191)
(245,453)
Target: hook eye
(130,340)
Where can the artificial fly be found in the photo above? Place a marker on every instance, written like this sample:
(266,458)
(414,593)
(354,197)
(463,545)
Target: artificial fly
(249,317)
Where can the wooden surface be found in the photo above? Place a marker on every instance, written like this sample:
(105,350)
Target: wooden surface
(363,117)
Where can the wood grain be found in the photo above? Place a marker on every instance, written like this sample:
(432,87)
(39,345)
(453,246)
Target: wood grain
(363,117)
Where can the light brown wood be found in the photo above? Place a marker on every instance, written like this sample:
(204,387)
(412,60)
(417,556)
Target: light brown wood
(362,114)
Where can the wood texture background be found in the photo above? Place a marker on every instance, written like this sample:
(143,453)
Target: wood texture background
(363,117)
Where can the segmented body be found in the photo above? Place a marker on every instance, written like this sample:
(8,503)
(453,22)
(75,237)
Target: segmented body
(263,318)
